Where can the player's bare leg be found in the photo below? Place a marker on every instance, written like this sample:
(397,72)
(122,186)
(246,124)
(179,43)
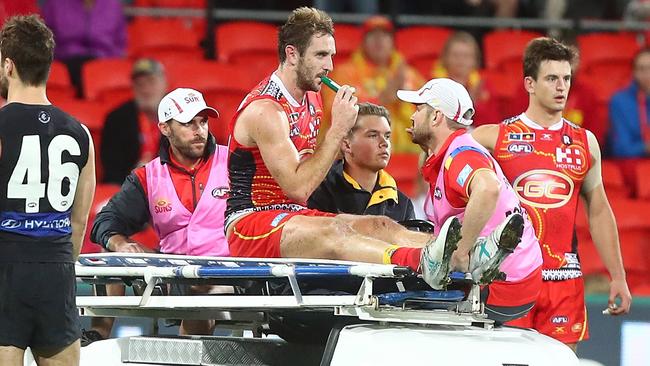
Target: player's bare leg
(384,228)
(67,356)
(11,356)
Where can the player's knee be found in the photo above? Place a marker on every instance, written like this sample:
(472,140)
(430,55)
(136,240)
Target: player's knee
(331,235)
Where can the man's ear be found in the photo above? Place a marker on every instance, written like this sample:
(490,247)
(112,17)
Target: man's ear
(529,84)
(9,67)
(346,146)
(164,128)
(292,54)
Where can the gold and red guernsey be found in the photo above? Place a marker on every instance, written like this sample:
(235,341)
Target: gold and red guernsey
(546,168)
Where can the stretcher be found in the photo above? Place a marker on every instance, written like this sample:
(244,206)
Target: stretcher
(326,312)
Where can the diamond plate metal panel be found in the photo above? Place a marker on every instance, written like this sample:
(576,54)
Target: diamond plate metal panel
(161,350)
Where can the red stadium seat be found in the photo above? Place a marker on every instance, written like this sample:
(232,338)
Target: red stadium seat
(600,51)
(642,181)
(103,193)
(58,83)
(91,114)
(614,181)
(211,76)
(348,38)
(245,37)
(421,42)
(107,81)
(153,37)
(404,168)
(227,104)
(504,49)
(257,65)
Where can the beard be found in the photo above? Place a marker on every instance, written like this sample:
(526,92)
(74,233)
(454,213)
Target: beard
(305,80)
(4,87)
(186,149)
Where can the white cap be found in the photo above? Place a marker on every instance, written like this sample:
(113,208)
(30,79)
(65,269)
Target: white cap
(182,105)
(445,95)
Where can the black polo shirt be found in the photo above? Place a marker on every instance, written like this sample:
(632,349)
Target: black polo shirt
(340,193)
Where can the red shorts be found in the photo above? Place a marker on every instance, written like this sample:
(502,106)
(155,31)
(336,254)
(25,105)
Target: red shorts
(560,312)
(258,234)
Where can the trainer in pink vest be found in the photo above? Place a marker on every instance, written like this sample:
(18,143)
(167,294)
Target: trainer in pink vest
(179,230)
(527,256)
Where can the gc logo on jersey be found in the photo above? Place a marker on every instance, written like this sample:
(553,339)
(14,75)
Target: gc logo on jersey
(544,188)
(520,148)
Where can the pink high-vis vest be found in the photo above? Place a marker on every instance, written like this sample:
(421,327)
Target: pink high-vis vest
(179,230)
(528,255)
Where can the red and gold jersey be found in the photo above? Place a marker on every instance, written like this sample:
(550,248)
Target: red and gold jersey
(546,167)
(252,188)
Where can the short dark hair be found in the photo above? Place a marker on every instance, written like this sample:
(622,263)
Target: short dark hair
(29,43)
(303,23)
(370,109)
(545,49)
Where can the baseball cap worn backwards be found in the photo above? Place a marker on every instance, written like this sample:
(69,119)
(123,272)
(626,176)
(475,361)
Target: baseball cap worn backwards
(445,95)
(182,105)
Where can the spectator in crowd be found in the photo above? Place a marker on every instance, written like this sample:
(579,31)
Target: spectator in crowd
(460,61)
(130,137)
(85,30)
(629,132)
(377,71)
(358,184)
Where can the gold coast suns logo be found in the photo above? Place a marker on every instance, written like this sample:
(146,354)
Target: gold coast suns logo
(162,205)
(544,188)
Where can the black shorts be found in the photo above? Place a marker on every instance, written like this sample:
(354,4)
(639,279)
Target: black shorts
(37,305)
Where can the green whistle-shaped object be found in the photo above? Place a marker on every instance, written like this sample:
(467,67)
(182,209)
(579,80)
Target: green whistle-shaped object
(330,83)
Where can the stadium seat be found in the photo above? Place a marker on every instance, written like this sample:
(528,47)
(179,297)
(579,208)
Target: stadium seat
(642,182)
(421,43)
(153,37)
(211,76)
(404,168)
(103,193)
(348,38)
(227,104)
(258,65)
(91,114)
(613,180)
(107,81)
(504,49)
(599,52)
(58,83)
(245,37)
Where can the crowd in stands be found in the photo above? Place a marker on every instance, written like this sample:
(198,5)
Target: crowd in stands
(111,72)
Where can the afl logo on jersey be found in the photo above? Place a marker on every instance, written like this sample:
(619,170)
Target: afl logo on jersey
(220,192)
(544,188)
(520,148)
(43,117)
